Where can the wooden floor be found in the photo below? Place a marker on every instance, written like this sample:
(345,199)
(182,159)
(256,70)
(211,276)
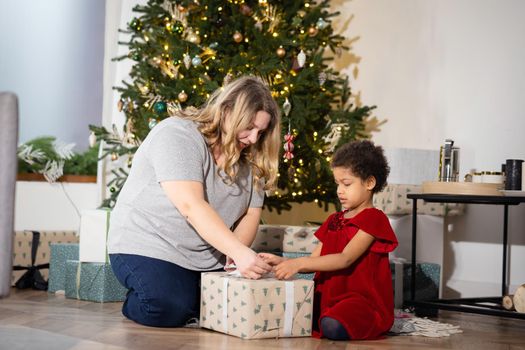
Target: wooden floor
(33,319)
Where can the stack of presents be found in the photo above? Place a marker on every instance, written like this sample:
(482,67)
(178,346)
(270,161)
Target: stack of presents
(230,304)
(265,308)
(245,308)
(78,264)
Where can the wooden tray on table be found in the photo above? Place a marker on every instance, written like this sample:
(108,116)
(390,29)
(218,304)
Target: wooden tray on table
(468,188)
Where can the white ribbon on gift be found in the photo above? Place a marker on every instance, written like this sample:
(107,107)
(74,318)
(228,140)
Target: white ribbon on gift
(288,306)
(225,282)
(398,281)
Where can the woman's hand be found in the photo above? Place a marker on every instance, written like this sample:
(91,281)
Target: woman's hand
(287,269)
(271,259)
(230,265)
(250,265)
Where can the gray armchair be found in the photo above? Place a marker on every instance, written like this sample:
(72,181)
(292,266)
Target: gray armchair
(8,170)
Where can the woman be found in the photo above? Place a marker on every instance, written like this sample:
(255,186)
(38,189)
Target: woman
(194,195)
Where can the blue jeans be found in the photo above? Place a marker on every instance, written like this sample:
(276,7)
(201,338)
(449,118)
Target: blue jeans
(160,293)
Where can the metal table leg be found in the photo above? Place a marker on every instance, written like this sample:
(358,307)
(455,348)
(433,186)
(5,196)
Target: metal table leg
(413,265)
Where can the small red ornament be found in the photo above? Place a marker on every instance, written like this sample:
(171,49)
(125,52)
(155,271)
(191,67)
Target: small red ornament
(288,146)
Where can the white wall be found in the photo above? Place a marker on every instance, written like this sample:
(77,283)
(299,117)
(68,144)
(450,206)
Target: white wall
(53,207)
(450,69)
(51,55)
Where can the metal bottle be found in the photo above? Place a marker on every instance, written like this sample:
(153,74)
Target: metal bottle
(448,162)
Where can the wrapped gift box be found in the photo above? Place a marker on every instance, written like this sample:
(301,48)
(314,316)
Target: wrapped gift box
(276,238)
(393,201)
(93,282)
(427,280)
(22,249)
(293,255)
(60,253)
(251,309)
(94,226)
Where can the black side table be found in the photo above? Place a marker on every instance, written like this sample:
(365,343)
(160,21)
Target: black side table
(480,305)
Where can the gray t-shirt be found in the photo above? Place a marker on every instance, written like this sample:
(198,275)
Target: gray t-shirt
(145,222)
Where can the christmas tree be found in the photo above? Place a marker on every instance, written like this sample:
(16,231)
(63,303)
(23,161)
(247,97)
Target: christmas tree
(184,50)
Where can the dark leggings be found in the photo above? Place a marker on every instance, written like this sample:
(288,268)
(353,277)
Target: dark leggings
(160,294)
(333,329)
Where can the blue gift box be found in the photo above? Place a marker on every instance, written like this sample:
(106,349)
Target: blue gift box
(293,255)
(427,280)
(92,281)
(60,253)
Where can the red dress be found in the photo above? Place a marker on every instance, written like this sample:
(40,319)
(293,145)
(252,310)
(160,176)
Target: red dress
(360,297)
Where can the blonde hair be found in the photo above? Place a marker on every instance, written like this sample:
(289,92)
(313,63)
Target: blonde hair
(240,100)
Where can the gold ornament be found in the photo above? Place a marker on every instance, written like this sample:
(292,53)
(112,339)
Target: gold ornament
(237,37)
(312,31)
(114,156)
(281,51)
(120,105)
(181,8)
(246,10)
(194,38)
(183,97)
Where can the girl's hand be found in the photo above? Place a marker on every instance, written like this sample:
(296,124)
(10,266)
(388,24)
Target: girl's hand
(250,265)
(287,269)
(271,258)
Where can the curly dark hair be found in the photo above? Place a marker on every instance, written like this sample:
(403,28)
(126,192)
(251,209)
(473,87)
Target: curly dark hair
(364,159)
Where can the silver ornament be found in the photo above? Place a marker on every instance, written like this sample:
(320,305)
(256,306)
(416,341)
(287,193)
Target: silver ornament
(322,78)
(321,23)
(92,139)
(301,59)
(196,61)
(287,107)
(187,61)
(152,123)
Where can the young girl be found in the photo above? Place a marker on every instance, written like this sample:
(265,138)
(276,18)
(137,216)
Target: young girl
(353,293)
